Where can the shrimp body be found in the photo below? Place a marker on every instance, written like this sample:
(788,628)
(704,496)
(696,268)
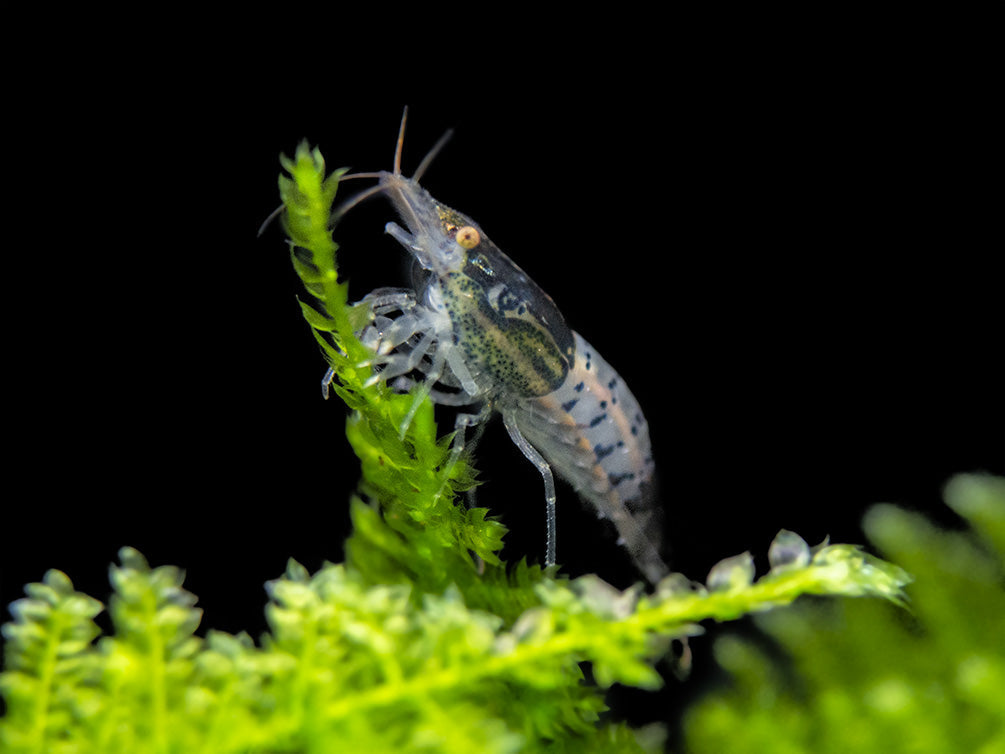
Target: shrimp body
(480,326)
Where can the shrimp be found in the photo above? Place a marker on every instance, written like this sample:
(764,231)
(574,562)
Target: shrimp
(481,333)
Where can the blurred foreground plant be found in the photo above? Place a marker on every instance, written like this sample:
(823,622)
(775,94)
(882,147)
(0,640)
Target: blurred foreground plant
(865,678)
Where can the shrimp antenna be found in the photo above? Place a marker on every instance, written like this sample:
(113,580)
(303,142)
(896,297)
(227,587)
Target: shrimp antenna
(400,142)
(268,220)
(366,194)
(423,166)
(282,207)
(348,204)
(431,155)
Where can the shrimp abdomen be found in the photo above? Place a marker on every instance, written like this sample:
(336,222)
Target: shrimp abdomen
(593,434)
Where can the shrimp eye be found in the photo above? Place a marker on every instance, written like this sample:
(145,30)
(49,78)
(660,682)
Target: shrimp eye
(467,237)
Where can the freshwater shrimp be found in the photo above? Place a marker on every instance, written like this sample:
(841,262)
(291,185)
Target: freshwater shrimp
(481,333)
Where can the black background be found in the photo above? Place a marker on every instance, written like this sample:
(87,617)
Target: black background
(787,248)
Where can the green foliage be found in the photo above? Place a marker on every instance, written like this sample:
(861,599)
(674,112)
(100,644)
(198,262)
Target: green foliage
(424,640)
(50,667)
(866,678)
(348,665)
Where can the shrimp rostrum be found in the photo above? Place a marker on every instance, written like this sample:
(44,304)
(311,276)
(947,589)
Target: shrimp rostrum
(479,333)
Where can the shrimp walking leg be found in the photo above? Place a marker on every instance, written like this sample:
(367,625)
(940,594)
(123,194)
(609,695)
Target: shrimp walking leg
(531,454)
(461,423)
